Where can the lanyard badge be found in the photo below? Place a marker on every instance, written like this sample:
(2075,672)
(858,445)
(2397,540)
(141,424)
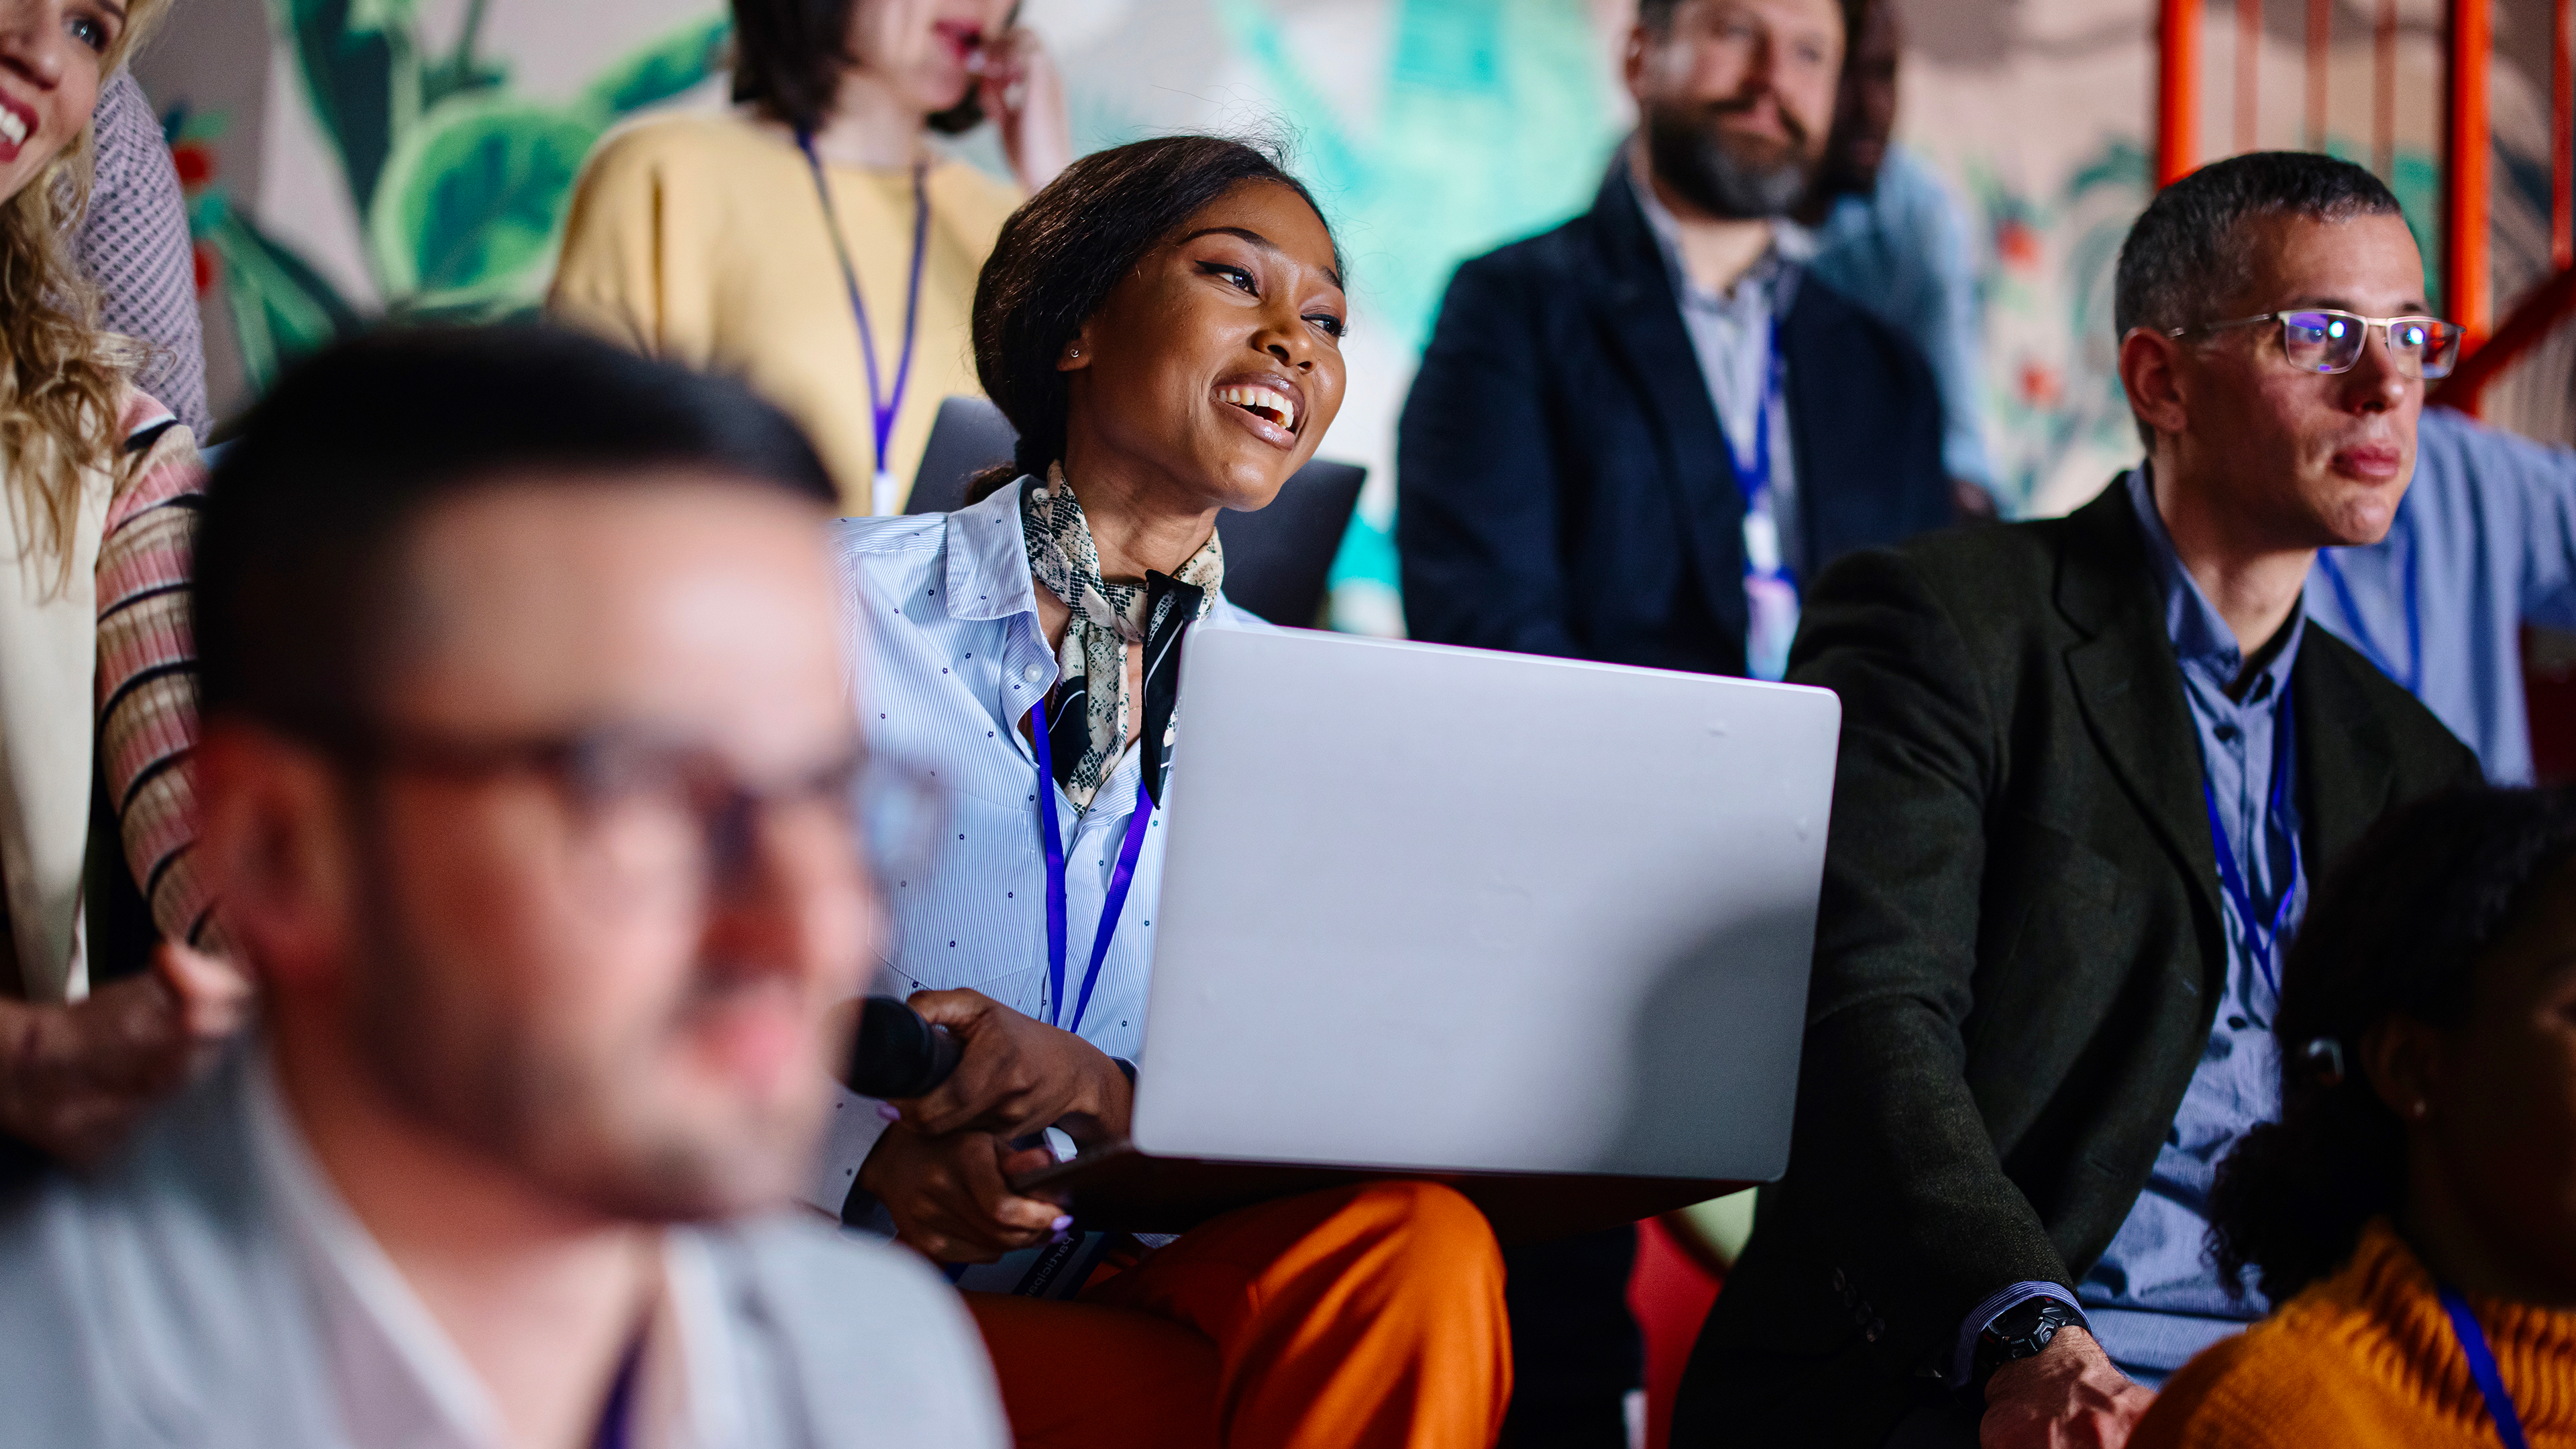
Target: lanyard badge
(1770,589)
(882,407)
(1121,880)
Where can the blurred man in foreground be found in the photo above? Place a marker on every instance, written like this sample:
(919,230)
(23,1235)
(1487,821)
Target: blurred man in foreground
(527,783)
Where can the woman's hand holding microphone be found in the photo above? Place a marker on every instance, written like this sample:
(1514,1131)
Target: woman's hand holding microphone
(943,1169)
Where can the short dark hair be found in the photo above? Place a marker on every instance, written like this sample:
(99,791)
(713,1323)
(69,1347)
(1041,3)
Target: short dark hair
(308,508)
(1060,256)
(2398,928)
(2181,260)
(789,57)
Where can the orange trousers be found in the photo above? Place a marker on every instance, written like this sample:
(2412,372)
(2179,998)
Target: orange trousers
(1366,1317)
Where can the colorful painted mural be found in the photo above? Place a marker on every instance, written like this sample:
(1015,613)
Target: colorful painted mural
(460,183)
(413,157)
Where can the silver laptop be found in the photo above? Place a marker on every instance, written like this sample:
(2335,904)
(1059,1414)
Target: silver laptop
(1452,911)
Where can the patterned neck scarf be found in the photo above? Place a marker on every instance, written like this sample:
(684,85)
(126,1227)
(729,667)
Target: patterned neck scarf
(1091,687)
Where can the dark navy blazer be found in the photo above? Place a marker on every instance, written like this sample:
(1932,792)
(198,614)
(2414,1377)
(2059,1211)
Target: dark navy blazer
(1564,486)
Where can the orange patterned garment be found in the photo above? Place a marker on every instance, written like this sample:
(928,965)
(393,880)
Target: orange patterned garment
(2367,1359)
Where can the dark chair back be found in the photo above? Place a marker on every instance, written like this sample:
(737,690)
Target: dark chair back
(969,436)
(1276,560)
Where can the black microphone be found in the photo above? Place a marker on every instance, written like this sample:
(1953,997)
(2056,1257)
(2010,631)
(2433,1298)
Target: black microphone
(895,1054)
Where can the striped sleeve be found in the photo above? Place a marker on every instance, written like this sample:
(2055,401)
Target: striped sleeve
(147,665)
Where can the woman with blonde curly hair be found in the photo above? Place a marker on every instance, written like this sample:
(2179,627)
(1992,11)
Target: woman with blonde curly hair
(97,669)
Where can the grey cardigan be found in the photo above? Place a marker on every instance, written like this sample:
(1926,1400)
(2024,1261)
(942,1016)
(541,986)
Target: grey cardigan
(158,1303)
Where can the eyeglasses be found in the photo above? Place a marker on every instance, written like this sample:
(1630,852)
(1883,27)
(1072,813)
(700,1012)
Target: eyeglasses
(660,824)
(2322,339)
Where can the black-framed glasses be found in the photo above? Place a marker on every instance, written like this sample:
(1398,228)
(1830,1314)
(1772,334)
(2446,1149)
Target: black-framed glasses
(2325,339)
(658,820)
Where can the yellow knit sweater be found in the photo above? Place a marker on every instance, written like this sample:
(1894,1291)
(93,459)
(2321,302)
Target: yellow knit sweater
(2367,1359)
(699,238)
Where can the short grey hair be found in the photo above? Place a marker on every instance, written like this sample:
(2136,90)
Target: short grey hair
(2183,261)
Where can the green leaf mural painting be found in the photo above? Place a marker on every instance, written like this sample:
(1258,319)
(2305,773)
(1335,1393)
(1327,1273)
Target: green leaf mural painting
(460,185)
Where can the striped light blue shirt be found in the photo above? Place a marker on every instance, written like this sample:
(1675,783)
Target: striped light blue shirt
(943,623)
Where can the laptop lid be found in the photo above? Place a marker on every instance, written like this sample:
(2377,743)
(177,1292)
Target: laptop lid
(1447,909)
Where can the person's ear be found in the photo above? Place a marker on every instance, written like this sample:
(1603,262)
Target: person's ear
(1632,63)
(2403,1059)
(1075,355)
(273,840)
(2151,367)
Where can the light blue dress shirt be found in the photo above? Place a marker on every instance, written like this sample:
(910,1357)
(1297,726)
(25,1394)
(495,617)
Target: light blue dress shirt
(942,619)
(2488,531)
(2155,1297)
(1902,252)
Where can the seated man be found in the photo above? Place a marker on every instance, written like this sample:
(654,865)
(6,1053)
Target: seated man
(2084,763)
(526,779)
(1635,438)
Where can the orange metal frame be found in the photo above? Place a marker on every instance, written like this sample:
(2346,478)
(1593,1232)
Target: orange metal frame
(2467,288)
(2467,276)
(2177,89)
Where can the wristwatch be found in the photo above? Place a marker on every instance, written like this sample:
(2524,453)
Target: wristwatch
(2018,1333)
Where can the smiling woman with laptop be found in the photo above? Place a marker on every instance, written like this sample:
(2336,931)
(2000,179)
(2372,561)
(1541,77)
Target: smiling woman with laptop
(1163,326)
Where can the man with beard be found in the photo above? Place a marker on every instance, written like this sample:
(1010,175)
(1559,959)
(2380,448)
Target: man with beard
(2089,768)
(1631,439)
(1634,437)
(527,779)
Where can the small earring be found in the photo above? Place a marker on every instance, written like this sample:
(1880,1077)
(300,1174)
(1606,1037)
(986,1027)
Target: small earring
(2420,1110)
(1075,352)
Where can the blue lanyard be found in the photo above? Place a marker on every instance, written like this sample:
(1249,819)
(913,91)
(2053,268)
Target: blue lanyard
(881,407)
(1755,482)
(2482,1367)
(2262,942)
(1120,881)
(2413,677)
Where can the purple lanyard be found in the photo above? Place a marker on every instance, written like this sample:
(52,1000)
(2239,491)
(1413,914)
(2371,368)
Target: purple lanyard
(2261,942)
(2482,1367)
(2412,680)
(617,1420)
(1120,880)
(881,407)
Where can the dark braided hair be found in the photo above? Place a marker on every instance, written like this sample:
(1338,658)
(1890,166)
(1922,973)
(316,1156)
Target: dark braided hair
(2398,929)
(1063,252)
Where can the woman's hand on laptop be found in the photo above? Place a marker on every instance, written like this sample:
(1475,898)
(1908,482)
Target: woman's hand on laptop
(950,1196)
(1018,1075)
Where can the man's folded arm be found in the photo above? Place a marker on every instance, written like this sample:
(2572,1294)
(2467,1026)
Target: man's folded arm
(1476,514)
(1891,1149)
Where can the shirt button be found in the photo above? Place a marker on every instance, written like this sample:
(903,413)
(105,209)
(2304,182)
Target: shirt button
(1032,674)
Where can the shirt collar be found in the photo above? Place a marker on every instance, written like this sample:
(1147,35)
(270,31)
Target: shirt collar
(398,1377)
(2199,632)
(1792,246)
(988,558)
